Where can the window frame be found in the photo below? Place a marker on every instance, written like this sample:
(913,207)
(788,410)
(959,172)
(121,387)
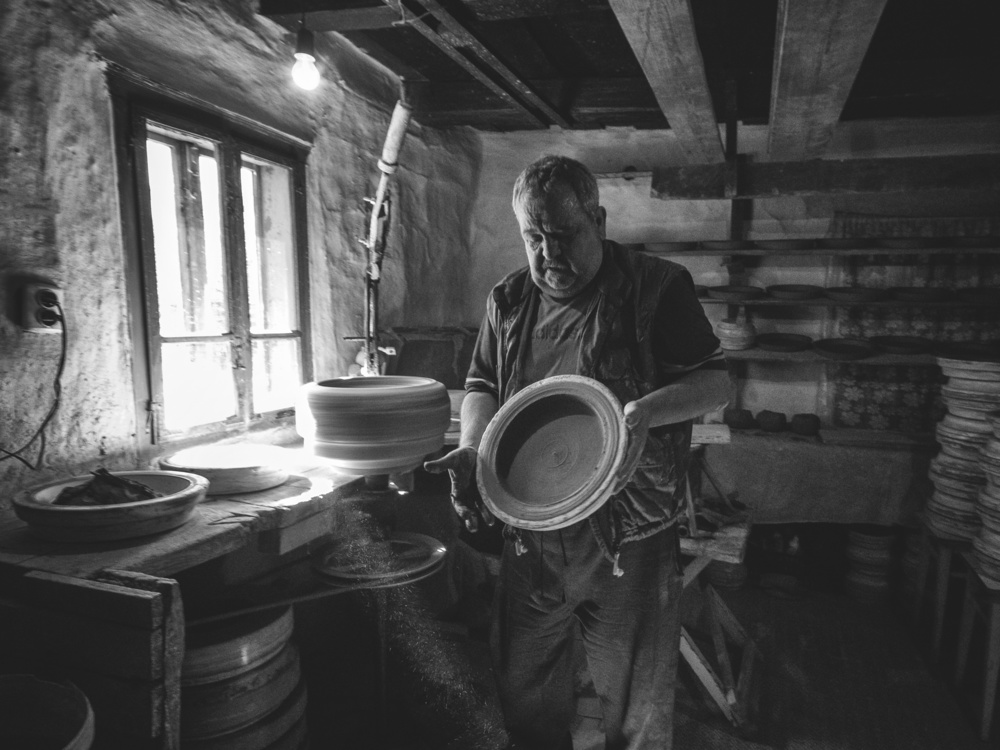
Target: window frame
(134,102)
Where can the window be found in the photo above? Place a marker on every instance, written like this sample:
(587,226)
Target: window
(217,219)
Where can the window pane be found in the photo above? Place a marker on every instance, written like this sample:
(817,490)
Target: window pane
(269,231)
(187,237)
(198,385)
(276,374)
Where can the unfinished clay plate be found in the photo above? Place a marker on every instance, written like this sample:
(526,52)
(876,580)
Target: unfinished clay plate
(735,293)
(231,469)
(550,456)
(795,291)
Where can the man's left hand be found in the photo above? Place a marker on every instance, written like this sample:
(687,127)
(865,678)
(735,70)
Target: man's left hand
(637,419)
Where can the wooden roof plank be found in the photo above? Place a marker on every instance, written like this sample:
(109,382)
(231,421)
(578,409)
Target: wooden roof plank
(830,177)
(662,36)
(464,38)
(819,49)
(445,45)
(347,19)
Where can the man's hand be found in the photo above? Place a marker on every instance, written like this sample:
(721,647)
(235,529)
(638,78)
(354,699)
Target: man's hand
(461,467)
(637,420)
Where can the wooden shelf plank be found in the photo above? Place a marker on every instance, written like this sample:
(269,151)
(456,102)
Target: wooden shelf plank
(814,249)
(811,357)
(824,302)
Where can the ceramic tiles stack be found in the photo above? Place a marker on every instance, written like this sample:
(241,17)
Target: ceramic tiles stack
(972,389)
(869,555)
(986,544)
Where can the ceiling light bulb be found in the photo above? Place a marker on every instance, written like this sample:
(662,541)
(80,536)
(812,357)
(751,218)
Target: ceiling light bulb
(304,72)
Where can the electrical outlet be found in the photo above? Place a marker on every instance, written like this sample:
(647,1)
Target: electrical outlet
(41,308)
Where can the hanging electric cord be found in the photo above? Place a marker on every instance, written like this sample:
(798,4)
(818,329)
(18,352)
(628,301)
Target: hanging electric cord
(57,388)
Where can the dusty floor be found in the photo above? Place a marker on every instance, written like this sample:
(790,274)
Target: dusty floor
(839,674)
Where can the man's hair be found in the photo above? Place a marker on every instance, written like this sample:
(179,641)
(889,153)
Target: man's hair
(539,177)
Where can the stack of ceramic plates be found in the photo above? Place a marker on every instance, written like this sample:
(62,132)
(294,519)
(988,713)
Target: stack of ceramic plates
(971,391)
(368,563)
(986,545)
(241,686)
(869,554)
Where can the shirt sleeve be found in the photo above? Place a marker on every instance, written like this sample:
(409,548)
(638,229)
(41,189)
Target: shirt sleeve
(683,339)
(482,375)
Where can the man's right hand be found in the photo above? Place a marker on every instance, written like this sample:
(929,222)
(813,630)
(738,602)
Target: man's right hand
(461,467)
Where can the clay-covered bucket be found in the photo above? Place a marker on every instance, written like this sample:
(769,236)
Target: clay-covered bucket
(37,714)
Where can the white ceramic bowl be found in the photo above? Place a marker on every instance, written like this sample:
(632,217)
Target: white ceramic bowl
(102,523)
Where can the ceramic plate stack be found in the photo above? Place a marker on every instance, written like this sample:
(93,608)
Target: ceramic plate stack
(986,545)
(971,391)
(869,553)
(241,686)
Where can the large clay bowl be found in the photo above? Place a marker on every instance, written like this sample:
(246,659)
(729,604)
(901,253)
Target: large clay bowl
(102,523)
(37,713)
(376,425)
(549,457)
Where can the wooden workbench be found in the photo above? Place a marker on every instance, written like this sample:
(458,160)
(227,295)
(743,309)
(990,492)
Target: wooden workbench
(110,617)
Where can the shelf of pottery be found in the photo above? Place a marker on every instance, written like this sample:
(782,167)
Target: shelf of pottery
(862,322)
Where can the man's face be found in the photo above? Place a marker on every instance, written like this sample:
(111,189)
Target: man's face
(563,242)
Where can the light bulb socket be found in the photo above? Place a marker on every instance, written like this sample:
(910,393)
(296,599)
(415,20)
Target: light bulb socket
(305,44)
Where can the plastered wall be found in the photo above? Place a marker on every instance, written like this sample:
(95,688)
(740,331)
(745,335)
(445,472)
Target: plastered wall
(60,217)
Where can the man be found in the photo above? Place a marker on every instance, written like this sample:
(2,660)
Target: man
(588,306)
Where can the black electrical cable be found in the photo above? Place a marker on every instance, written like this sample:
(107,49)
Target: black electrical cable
(57,388)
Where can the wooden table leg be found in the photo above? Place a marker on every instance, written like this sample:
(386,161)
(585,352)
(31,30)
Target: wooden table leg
(965,627)
(923,566)
(944,554)
(992,666)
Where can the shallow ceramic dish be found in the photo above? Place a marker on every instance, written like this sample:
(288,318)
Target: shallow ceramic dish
(795,291)
(968,354)
(101,523)
(551,455)
(735,293)
(919,293)
(231,469)
(854,294)
(901,344)
(844,349)
(783,342)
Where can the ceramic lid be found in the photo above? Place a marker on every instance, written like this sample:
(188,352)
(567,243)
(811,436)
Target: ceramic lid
(550,456)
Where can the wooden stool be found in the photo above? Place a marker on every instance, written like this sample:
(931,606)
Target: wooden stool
(944,549)
(982,596)
(731,691)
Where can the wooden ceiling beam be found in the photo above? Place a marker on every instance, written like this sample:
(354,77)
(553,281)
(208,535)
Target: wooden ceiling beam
(456,37)
(819,47)
(662,36)
(349,19)
(827,177)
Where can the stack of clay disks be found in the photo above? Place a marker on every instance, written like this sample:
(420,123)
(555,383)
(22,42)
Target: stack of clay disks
(971,391)
(869,554)
(986,544)
(241,686)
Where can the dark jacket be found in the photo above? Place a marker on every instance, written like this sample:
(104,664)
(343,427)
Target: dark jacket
(617,350)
